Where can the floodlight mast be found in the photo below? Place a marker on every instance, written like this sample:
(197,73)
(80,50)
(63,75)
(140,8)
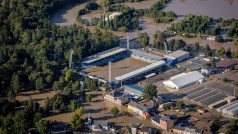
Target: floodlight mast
(128,41)
(71,58)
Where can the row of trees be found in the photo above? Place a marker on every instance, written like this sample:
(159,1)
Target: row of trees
(156,12)
(196,24)
(233,30)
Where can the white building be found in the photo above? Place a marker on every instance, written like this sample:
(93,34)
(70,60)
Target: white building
(183,80)
(177,56)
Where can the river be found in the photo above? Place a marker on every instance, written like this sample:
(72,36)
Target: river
(226,9)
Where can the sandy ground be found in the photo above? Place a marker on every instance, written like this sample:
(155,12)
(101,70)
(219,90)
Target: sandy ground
(118,68)
(99,110)
(36,96)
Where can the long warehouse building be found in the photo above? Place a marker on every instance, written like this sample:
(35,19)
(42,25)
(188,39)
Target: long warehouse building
(229,109)
(183,80)
(140,71)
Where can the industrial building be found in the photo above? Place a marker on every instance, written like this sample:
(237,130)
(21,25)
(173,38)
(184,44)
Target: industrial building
(183,80)
(230,109)
(177,56)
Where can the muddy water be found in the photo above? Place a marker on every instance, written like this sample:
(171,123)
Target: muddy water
(140,5)
(226,9)
(66,16)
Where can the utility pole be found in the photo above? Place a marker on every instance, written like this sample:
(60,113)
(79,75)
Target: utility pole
(166,47)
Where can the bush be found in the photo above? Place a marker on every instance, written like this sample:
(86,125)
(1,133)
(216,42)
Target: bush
(114,111)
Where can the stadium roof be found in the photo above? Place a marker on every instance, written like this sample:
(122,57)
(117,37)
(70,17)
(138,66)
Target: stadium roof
(106,54)
(183,80)
(177,54)
(140,71)
(147,56)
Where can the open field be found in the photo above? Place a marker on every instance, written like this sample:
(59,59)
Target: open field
(36,96)
(118,68)
(100,111)
(231,75)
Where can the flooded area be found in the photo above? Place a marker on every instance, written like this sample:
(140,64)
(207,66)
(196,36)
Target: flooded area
(213,44)
(118,68)
(100,110)
(66,16)
(214,8)
(226,9)
(139,5)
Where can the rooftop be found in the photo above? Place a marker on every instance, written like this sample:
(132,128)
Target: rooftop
(140,71)
(184,79)
(177,54)
(225,63)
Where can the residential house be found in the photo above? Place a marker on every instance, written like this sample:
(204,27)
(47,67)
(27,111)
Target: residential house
(138,108)
(166,123)
(188,130)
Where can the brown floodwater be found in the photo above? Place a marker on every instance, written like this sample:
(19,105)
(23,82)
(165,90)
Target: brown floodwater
(226,9)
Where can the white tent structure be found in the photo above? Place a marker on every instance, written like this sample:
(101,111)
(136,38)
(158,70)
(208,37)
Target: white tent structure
(183,80)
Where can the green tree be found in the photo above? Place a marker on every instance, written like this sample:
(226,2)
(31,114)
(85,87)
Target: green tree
(207,50)
(231,127)
(79,112)
(76,122)
(179,104)
(143,39)
(73,105)
(43,126)
(88,98)
(39,84)
(114,111)
(15,84)
(220,52)
(149,91)
(20,123)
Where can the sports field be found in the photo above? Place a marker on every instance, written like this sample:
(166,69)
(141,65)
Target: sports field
(118,68)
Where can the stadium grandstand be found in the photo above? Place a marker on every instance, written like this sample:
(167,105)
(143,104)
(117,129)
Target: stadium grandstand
(104,57)
(140,71)
(147,57)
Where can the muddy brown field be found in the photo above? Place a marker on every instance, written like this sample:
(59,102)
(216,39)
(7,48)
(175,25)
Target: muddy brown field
(118,68)
(99,110)
(36,96)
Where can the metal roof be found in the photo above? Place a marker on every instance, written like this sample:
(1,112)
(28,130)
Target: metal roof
(145,56)
(132,90)
(103,55)
(183,79)
(140,71)
(177,54)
